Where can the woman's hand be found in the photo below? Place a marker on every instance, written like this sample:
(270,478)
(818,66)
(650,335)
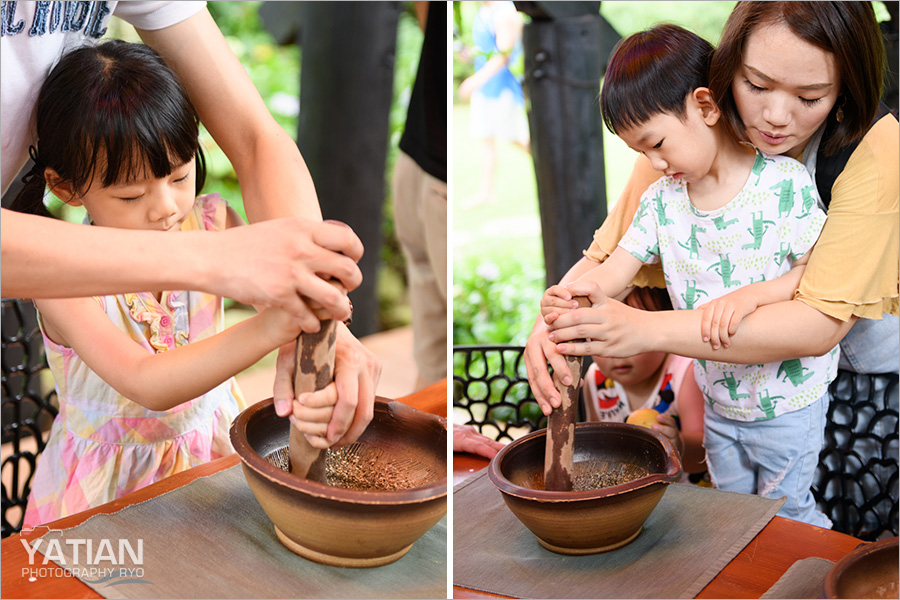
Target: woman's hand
(539,350)
(467,439)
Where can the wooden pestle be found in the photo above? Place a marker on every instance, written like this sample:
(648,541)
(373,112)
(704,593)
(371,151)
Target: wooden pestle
(559,459)
(313,371)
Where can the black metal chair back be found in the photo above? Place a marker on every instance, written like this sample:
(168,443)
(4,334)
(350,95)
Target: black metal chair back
(856,479)
(27,410)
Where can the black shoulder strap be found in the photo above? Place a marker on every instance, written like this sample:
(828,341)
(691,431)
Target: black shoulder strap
(829,167)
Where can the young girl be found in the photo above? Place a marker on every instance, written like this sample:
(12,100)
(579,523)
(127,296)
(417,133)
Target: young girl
(144,379)
(614,388)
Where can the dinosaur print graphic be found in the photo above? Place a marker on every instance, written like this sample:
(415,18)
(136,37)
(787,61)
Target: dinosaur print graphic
(693,244)
(661,210)
(758,165)
(785,196)
(639,215)
(732,385)
(808,200)
(767,405)
(757,231)
(724,268)
(782,253)
(793,371)
(691,294)
(721,223)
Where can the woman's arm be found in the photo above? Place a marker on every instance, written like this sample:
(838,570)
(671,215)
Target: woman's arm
(163,380)
(772,333)
(722,316)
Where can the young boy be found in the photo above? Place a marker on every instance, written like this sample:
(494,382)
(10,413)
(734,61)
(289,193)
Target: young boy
(732,228)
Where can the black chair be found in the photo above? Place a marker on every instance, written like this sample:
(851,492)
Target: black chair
(856,481)
(27,410)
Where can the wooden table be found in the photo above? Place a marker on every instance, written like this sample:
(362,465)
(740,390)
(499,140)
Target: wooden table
(15,558)
(751,573)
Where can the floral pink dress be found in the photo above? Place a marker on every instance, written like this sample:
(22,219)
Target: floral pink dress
(102,445)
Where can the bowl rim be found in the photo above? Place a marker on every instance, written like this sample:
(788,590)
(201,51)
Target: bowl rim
(864,549)
(253,461)
(672,475)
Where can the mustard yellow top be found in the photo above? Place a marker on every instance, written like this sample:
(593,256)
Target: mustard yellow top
(854,268)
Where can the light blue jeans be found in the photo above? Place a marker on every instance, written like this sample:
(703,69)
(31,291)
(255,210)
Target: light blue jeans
(772,458)
(872,346)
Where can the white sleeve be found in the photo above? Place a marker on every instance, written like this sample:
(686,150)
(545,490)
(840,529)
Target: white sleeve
(156,15)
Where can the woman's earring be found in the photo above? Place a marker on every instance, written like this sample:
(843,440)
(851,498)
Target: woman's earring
(839,115)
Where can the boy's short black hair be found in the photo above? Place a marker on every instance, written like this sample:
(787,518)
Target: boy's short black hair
(652,72)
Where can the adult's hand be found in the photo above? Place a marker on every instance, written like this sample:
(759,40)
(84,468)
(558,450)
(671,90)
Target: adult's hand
(277,263)
(539,350)
(467,439)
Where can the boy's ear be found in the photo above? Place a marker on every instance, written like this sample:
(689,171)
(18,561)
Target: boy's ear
(62,189)
(709,110)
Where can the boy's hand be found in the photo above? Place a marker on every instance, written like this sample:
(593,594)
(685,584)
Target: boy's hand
(723,316)
(557,300)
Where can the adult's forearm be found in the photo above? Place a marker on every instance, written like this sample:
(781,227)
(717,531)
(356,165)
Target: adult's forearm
(45,258)
(268,195)
(772,333)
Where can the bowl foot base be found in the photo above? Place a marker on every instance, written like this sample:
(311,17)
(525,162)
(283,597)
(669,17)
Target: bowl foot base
(585,551)
(339,561)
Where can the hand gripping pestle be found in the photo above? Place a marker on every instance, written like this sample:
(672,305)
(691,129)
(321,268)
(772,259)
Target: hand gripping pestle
(559,469)
(313,371)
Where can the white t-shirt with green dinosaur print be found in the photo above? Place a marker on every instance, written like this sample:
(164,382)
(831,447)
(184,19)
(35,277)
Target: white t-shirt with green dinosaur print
(774,220)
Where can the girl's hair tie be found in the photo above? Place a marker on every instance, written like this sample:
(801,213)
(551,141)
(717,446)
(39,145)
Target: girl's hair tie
(37,170)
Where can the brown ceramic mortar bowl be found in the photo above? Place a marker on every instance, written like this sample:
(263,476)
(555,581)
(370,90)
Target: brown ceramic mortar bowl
(870,571)
(348,527)
(594,520)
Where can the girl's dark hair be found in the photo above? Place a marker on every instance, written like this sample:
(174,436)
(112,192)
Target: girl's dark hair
(848,30)
(114,110)
(652,72)
(649,298)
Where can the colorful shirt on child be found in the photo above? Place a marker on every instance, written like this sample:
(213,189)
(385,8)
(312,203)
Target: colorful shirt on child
(774,220)
(102,445)
(606,400)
